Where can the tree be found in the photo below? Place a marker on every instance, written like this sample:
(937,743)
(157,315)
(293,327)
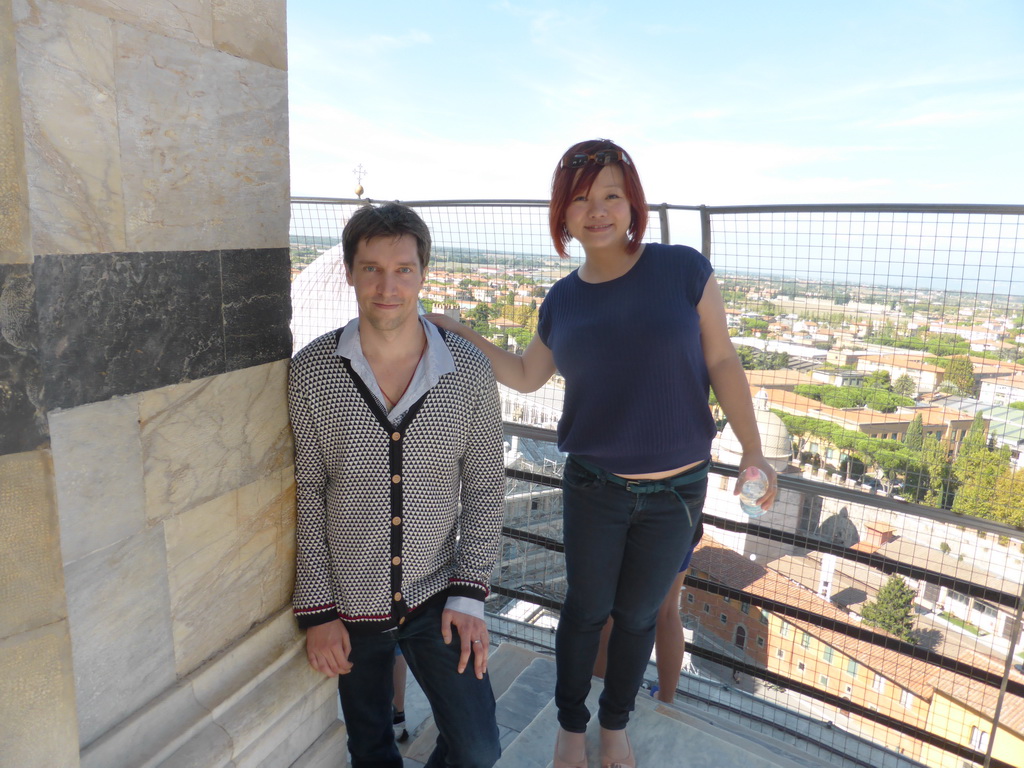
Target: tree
(960,376)
(893,609)
(479,317)
(904,386)
(978,471)
(914,438)
(878,380)
(936,462)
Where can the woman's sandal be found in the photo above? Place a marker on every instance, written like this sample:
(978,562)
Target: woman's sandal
(629,761)
(559,763)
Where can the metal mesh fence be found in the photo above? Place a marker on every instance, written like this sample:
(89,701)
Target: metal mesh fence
(873,615)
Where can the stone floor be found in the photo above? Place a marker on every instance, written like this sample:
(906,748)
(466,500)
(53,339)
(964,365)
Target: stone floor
(730,729)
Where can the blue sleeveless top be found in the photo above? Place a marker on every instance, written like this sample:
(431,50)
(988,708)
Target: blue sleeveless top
(636,385)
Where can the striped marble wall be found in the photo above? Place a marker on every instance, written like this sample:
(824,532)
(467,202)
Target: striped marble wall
(146,489)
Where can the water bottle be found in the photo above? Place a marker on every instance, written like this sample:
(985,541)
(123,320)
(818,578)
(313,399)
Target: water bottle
(755,484)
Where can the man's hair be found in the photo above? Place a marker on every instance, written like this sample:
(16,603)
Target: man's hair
(388,220)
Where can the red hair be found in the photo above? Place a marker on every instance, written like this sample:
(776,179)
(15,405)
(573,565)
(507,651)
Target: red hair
(567,183)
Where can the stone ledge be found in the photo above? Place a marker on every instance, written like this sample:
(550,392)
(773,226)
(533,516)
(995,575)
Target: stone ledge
(228,708)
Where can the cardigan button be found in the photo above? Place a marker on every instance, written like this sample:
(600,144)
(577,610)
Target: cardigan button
(396,436)
(396,479)
(398,596)
(396,520)
(402,620)
(396,561)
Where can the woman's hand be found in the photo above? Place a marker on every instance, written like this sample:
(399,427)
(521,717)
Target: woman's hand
(443,321)
(766,501)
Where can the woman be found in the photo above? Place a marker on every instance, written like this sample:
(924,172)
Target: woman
(639,333)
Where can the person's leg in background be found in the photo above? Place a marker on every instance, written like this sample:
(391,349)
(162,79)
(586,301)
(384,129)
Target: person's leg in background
(398,702)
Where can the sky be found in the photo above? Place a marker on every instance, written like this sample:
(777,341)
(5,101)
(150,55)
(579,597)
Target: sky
(721,103)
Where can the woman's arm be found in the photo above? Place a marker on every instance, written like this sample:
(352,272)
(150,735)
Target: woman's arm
(524,373)
(729,383)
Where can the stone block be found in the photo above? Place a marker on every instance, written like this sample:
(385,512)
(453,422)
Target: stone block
(119,611)
(31,577)
(252,29)
(208,169)
(69,109)
(97,465)
(203,439)
(14,228)
(256,295)
(116,324)
(230,563)
(190,20)
(37,700)
(22,417)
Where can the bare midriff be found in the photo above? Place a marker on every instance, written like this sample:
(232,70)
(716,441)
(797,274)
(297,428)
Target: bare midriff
(663,475)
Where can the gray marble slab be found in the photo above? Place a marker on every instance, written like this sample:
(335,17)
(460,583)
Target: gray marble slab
(121,323)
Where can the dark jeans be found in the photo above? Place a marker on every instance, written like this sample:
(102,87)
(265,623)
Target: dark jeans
(463,706)
(622,552)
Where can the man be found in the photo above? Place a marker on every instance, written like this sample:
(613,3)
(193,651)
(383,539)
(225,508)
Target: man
(400,484)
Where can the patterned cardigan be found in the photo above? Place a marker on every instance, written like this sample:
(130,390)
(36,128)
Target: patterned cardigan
(390,517)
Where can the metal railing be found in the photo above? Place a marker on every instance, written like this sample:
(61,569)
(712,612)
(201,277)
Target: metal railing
(785,594)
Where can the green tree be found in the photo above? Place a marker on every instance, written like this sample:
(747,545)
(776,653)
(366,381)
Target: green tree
(893,609)
(978,471)
(479,317)
(904,386)
(935,457)
(914,439)
(960,376)
(1010,497)
(878,380)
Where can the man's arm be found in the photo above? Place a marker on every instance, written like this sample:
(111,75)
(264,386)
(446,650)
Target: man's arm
(312,601)
(482,496)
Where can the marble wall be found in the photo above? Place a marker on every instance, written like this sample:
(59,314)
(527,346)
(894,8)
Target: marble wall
(146,483)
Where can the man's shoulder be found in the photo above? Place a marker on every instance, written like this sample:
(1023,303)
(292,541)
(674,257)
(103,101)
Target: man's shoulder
(465,352)
(318,350)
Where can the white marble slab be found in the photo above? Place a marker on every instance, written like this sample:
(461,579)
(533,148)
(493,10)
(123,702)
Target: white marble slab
(230,565)
(205,438)
(97,466)
(68,101)
(204,146)
(252,29)
(119,611)
(190,20)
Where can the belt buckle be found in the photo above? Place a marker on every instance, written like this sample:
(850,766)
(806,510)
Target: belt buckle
(631,485)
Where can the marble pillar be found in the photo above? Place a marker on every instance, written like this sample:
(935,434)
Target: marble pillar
(146,480)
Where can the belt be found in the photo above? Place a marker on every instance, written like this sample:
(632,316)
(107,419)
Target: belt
(647,486)
(650,486)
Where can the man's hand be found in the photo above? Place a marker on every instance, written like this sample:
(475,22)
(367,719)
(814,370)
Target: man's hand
(328,647)
(472,635)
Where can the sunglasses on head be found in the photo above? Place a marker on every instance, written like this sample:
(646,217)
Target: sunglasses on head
(601,157)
